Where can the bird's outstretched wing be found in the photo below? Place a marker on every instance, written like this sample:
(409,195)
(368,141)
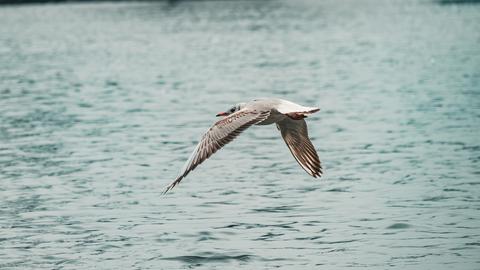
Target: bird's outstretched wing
(221,133)
(295,134)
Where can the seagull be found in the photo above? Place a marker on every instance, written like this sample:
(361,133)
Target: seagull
(289,118)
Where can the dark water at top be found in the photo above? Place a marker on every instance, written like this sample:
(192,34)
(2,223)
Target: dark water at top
(100,105)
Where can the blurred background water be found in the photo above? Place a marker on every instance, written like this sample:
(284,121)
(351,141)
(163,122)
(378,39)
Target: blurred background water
(101,103)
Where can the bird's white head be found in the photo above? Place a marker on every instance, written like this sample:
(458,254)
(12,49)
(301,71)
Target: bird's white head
(237,107)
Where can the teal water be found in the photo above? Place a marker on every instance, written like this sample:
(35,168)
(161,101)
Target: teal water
(101,103)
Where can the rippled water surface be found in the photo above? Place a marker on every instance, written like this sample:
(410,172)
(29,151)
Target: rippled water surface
(101,103)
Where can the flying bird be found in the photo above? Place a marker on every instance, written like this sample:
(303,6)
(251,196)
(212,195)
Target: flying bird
(289,118)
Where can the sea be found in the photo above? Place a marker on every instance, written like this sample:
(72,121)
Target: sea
(101,103)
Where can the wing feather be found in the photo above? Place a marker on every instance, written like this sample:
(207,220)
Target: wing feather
(295,134)
(217,136)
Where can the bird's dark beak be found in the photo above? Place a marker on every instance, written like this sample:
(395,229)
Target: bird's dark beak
(221,114)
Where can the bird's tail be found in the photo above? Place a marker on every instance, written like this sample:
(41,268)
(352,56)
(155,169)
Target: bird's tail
(302,114)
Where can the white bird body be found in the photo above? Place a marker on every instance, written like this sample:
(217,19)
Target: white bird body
(288,117)
(279,109)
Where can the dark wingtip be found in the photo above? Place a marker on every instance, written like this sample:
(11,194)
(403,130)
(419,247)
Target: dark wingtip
(165,191)
(174,183)
(318,173)
(168,188)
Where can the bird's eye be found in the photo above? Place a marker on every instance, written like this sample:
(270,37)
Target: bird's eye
(232,110)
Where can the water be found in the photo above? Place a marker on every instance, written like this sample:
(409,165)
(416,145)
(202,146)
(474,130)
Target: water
(101,103)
